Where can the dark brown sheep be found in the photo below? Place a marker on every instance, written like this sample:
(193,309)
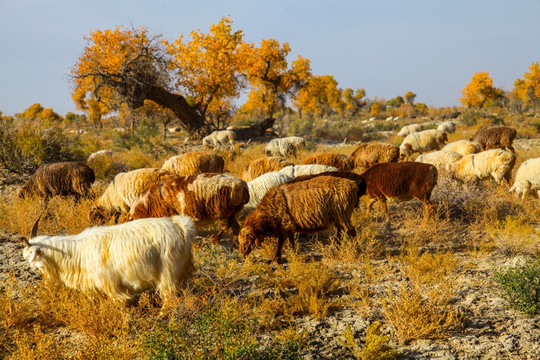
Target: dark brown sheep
(403,181)
(305,207)
(62,178)
(204,198)
(341,162)
(370,154)
(496,137)
(358,179)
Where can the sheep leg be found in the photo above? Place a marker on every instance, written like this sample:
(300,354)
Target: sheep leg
(233,224)
(428,210)
(370,205)
(385,210)
(281,241)
(217,236)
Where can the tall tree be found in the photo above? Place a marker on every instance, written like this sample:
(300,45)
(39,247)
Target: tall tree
(528,88)
(353,100)
(130,66)
(480,91)
(271,79)
(320,96)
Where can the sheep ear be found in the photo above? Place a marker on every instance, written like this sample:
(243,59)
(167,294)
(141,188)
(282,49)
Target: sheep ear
(34,252)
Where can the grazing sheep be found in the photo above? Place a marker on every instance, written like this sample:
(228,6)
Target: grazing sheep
(220,138)
(442,159)
(370,154)
(260,186)
(99,154)
(447,126)
(287,146)
(463,147)
(262,166)
(193,163)
(495,163)
(496,137)
(409,129)
(422,141)
(358,179)
(341,162)
(527,178)
(123,191)
(305,207)
(62,178)
(120,260)
(299,170)
(401,181)
(204,198)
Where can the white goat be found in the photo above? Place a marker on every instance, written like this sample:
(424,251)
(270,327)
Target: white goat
(118,260)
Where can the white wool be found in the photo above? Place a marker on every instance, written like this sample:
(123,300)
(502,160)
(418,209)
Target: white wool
(98,154)
(422,141)
(409,129)
(493,163)
(220,138)
(118,260)
(300,170)
(260,186)
(527,178)
(285,146)
(463,147)
(448,126)
(442,159)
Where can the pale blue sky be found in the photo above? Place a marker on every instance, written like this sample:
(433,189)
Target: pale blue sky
(388,47)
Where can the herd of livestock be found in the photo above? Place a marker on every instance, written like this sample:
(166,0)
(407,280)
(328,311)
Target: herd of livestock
(157,211)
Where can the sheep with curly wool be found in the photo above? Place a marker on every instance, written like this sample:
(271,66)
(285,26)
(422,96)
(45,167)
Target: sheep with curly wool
(442,159)
(341,162)
(409,129)
(369,154)
(261,166)
(125,189)
(422,141)
(447,126)
(196,162)
(527,178)
(288,146)
(495,163)
(496,137)
(299,170)
(463,147)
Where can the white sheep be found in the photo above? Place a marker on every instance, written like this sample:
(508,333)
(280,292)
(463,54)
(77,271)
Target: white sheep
(220,138)
(422,141)
(447,126)
(463,147)
(442,159)
(495,163)
(259,187)
(99,154)
(409,129)
(285,146)
(120,260)
(299,170)
(527,178)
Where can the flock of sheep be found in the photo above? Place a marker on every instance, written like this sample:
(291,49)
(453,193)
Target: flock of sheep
(159,210)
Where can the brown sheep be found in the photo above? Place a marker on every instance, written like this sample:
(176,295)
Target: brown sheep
(403,181)
(262,166)
(203,197)
(62,178)
(193,163)
(340,161)
(358,179)
(305,207)
(370,154)
(496,137)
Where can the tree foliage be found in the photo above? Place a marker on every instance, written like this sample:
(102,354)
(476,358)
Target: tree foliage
(271,78)
(320,96)
(528,88)
(480,91)
(354,100)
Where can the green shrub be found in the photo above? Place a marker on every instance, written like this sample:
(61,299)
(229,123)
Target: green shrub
(218,332)
(521,285)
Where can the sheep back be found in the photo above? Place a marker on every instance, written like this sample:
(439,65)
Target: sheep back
(527,178)
(369,154)
(495,137)
(341,162)
(494,163)
(262,166)
(193,163)
(463,147)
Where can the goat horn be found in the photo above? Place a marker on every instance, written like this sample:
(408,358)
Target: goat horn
(35,227)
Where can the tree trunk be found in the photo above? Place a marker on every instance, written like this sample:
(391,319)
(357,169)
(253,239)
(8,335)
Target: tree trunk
(193,122)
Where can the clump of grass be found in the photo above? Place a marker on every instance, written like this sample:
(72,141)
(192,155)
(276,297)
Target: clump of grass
(521,285)
(376,347)
(428,268)
(418,313)
(515,236)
